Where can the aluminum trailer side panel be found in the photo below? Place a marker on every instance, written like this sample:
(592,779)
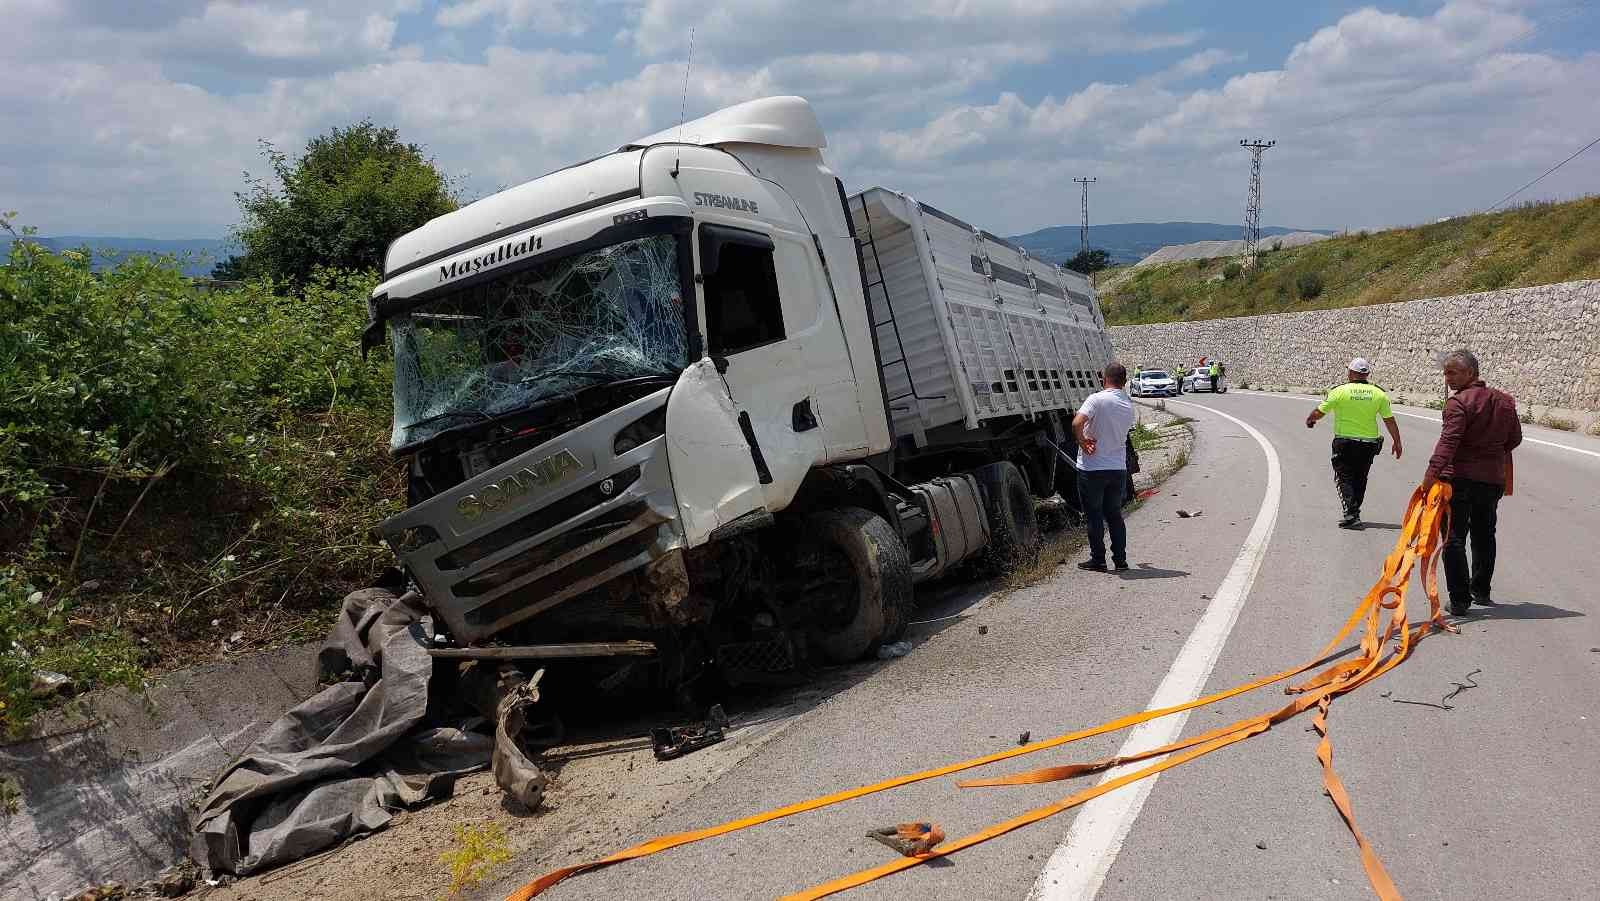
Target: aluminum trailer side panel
(970,327)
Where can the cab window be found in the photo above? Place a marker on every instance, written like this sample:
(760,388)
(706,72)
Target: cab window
(743,309)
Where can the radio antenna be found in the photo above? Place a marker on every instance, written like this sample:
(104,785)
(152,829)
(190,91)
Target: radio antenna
(683,107)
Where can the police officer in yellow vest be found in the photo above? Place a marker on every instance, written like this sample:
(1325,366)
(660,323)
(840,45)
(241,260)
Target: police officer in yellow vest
(1356,406)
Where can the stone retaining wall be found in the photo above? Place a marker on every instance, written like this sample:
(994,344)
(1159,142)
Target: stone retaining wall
(1542,344)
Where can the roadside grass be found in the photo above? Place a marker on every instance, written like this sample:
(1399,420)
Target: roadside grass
(1559,423)
(1534,244)
(10,796)
(478,851)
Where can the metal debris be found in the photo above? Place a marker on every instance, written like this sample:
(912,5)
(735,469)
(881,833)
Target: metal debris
(909,839)
(1023,738)
(1185,514)
(670,744)
(897,649)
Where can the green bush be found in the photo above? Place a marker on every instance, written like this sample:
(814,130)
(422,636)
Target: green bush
(1231,271)
(1308,285)
(120,372)
(174,461)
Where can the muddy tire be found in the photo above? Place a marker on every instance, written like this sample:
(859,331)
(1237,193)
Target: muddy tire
(1013,519)
(862,589)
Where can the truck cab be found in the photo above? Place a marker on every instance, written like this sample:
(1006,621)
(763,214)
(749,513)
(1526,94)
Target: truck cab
(620,358)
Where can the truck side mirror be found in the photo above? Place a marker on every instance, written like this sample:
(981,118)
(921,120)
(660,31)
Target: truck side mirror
(721,363)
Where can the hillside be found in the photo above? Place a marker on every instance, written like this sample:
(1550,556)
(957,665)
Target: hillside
(1537,244)
(195,257)
(1129,242)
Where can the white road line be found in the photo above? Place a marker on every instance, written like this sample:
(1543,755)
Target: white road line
(1526,438)
(1078,867)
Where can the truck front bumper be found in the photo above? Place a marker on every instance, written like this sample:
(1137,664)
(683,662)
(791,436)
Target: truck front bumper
(542,528)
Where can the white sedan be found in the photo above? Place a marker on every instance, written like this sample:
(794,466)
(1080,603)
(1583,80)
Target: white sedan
(1199,379)
(1153,383)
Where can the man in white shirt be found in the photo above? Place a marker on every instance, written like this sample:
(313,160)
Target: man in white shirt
(1101,427)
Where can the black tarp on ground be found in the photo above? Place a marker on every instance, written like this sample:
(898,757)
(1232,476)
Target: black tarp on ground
(348,758)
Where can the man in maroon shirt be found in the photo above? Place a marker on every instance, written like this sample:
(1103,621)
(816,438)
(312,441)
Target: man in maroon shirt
(1474,455)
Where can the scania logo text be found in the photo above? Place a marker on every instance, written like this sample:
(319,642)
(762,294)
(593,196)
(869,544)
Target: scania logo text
(552,470)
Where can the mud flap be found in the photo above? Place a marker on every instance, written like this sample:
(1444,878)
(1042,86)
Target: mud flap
(713,465)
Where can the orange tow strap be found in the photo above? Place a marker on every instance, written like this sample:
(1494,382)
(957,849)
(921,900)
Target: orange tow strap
(1415,549)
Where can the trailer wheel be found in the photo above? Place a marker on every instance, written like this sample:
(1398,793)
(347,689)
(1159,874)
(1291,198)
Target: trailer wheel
(1013,519)
(860,590)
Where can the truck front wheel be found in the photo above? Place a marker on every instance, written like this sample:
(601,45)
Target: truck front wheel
(858,582)
(1013,519)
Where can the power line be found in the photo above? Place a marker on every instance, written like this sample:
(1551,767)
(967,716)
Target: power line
(1541,177)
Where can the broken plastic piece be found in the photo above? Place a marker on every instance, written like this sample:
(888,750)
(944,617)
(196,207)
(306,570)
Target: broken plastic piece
(670,744)
(909,839)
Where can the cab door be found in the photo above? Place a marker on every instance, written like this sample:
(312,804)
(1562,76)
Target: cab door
(779,354)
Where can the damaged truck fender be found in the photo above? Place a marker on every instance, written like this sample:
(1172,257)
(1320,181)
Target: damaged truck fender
(712,463)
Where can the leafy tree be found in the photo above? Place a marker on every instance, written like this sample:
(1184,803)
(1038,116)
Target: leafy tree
(231,269)
(337,205)
(1088,261)
(1309,285)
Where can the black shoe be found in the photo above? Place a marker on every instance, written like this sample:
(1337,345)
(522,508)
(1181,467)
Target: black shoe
(1485,601)
(1122,567)
(1460,609)
(1093,566)
(1352,522)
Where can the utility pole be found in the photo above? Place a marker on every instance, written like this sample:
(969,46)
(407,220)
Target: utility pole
(1083,233)
(1252,205)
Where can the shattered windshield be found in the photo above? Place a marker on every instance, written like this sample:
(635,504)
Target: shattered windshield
(548,330)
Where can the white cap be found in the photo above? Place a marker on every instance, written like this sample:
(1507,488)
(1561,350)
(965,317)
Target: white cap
(1360,364)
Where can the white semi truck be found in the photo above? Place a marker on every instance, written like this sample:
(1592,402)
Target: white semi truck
(688,408)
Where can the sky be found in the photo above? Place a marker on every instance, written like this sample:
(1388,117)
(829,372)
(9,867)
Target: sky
(142,118)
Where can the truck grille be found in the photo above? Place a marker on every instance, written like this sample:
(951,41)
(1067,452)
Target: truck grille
(539,521)
(564,580)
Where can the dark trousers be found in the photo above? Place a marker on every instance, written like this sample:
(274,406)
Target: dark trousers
(1214,380)
(1352,460)
(1474,511)
(1101,491)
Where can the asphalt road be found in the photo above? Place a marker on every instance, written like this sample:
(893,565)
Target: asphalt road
(1490,799)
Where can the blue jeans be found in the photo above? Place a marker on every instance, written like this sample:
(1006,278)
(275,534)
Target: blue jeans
(1100,491)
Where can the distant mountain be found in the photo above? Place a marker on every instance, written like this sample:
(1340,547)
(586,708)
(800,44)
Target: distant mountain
(195,256)
(1130,242)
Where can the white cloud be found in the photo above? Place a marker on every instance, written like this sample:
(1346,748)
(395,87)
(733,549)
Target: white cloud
(1380,117)
(754,30)
(1195,65)
(555,17)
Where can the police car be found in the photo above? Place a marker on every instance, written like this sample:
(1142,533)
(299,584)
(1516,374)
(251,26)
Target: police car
(1153,383)
(1199,379)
